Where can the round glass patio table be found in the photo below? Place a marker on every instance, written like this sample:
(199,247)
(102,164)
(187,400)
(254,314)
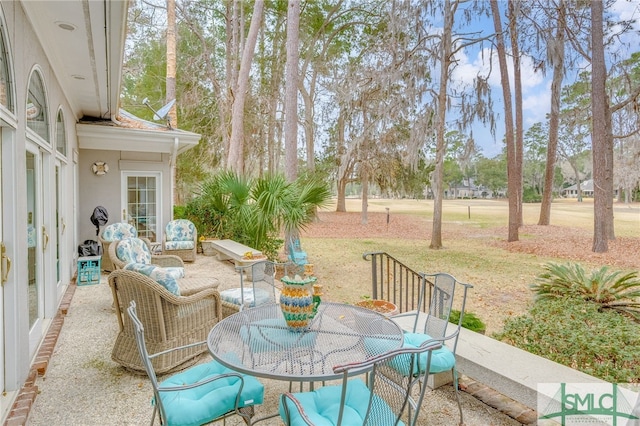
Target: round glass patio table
(257,341)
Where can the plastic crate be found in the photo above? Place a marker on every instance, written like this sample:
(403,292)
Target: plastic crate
(89,270)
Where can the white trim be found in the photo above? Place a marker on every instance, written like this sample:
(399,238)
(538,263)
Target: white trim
(159,194)
(103,137)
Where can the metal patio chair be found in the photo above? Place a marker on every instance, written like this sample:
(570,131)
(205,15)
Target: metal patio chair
(201,394)
(384,399)
(439,290)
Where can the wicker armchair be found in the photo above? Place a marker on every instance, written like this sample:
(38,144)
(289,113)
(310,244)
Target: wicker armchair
(137,250)
(181,239)
(114,232)
(169,321)
(122,257)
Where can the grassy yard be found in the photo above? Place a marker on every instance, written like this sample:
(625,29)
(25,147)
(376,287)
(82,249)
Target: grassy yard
(473,236)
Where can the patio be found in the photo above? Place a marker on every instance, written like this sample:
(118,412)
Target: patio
(83,386)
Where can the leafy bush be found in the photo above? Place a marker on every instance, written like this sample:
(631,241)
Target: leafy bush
(574,332)
(616,290)
(470,321)
(530,195)
(255,212)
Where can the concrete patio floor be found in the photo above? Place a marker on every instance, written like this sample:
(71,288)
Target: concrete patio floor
(83,386)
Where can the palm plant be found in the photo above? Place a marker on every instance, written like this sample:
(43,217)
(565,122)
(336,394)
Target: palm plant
(611,290)
(256,212)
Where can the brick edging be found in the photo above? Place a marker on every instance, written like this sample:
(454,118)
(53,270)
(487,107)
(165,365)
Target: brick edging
(19,413)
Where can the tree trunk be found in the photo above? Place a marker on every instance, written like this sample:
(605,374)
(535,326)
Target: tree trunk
(291,92)
(171,83)
(341,204)
(600,139)
(557,60)
(364,178)
(517,80)
(235,159)
(438,173)
(171,61)
(343,169)
(513,181)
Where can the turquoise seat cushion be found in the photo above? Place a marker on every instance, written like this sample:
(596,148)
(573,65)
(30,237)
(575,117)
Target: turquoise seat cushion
(119,231)
(207,402)
(322,406)
(156,273)
(441,359)
(252,297)
(274,334)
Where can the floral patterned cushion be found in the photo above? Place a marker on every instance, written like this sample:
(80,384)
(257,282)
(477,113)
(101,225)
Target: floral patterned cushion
(119,231)
(182,230)
(179,245)
(158,274)
(133,250)
(32,238)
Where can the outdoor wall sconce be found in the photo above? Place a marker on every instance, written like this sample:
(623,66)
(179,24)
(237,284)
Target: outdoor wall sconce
(99,168)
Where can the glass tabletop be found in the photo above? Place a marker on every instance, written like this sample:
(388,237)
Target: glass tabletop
(257,341)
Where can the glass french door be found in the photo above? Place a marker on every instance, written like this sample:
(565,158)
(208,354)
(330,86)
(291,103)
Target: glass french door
(5,264)
(60,228)
(141,203)
(36,238)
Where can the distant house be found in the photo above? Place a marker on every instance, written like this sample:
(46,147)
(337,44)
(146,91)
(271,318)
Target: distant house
(572,191)
(468,189)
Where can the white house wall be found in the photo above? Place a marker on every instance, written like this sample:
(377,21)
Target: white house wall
(105,190)
(26,53)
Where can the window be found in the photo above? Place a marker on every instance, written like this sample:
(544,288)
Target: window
(6,89)
(37,112)
(61,134)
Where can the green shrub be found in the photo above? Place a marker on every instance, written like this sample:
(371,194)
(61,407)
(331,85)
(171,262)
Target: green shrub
(256,212)
(610,290)
(576,333)
(470,321)
(530,195)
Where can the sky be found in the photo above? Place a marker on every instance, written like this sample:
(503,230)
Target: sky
(536,87)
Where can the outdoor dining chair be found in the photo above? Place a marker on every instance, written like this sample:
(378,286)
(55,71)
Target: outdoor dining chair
(383,399)
(440,291)
(201,394)
(257,286)
(296,254)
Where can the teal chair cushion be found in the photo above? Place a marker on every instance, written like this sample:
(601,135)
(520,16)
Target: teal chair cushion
(156,273)
(322,406)
(204,403)
(441,359)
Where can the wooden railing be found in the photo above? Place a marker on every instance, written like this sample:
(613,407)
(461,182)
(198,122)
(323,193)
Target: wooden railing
(395,282)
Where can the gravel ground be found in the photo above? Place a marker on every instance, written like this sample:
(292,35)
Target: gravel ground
(83,386)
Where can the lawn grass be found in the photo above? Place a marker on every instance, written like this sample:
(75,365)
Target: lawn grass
(500,278)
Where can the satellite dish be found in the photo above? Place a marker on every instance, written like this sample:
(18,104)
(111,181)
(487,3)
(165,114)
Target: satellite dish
(162,113)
